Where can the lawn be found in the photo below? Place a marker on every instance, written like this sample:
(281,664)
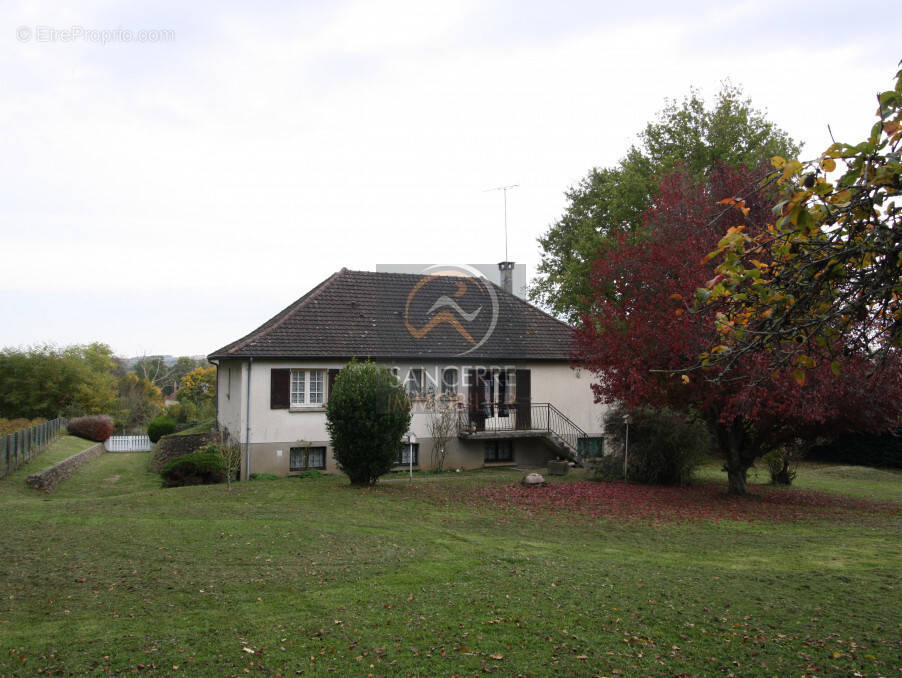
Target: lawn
(464,574)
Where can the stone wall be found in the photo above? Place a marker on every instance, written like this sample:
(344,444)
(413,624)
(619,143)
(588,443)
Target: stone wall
(173,446)
(48,479)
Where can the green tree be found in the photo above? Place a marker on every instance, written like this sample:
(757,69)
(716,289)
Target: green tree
(96,364)
(611,201)
(44,381)
(139,401)
(367,414)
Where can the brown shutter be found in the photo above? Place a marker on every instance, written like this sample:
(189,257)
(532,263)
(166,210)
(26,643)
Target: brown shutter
(279,389)
(474,398)
(524,400)
(333,375)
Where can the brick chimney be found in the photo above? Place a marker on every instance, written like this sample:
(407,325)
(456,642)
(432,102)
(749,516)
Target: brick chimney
(507,276)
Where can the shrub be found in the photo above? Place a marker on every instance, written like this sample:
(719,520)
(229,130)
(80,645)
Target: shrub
(367,413)
(229,455)
(783,463)
(665,446)
(199,468)
(174,446)
(264,476)
(96,427)
(160,426)
(309,474)
(606,467)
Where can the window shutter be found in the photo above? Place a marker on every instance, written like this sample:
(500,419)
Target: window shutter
(279,389)
(473,390)
(524,400)
(475,397)
(333,375)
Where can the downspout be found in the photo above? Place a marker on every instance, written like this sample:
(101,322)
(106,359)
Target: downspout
(247,440)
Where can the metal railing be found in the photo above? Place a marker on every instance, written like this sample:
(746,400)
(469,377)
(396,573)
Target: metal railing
(19,447)
(535,417)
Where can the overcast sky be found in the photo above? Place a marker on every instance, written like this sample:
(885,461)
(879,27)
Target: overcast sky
(169,192)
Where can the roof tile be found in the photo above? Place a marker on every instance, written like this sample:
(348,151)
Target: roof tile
(404,316)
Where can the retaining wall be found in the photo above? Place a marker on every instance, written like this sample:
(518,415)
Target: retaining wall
(48,479)
(172,446)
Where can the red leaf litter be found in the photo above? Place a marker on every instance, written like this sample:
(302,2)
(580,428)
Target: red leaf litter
(655,504)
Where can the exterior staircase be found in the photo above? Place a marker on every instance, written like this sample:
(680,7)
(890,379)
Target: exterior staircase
(533,420)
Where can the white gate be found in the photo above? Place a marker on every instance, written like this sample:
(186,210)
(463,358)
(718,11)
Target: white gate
(128,444)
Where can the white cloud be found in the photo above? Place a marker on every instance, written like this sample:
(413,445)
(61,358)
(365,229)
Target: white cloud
(264,149)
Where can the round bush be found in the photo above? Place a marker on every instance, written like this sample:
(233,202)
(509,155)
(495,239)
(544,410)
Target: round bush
(367,413)
(160,426)
(96,427)
(200,468)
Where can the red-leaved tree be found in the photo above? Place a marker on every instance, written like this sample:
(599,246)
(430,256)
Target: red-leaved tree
(643,332)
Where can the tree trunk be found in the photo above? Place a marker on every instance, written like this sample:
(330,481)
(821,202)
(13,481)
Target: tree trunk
(732,441)
(736,479)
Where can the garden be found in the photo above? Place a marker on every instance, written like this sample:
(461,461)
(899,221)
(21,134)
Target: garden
(465,574)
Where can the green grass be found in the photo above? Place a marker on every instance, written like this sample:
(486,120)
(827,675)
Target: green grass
(854,481)
(112,573)
(61,448)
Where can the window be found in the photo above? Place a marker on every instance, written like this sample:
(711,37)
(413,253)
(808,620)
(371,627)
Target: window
(498,450)
(593,446)
(406,451)
(415,381)
(302,458)
(306,388)
(510,391)
(449,381)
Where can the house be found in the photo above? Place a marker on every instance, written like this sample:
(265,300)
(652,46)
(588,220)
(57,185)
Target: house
(501,364)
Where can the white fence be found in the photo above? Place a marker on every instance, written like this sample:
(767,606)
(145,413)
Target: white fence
(128,444)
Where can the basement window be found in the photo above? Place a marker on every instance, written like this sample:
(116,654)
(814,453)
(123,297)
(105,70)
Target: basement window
(498,451)
(303,458)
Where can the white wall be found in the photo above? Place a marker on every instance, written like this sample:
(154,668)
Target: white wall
(230,395)
(553,383)
(288,426)
(568,390)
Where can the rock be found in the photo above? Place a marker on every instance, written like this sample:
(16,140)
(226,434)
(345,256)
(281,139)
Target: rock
(533,480)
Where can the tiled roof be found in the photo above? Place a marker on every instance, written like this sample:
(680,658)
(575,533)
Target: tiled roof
(401,316)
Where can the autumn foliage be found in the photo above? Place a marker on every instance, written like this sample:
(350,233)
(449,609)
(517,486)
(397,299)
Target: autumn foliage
(657,505)
(643,332)
(95,427)
(829,265)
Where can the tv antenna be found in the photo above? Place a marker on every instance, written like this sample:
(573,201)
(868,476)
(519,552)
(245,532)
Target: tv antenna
(505,189)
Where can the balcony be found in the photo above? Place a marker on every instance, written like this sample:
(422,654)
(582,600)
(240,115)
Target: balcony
(532,420)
